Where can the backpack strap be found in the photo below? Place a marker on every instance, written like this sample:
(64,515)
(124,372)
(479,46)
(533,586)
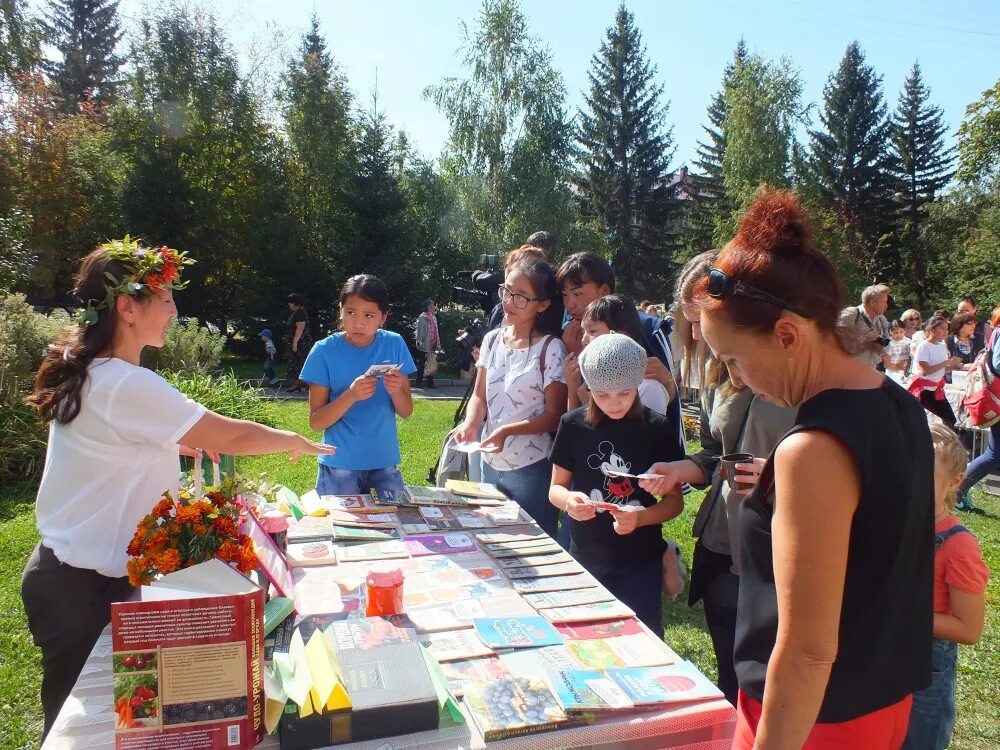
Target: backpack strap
(541,359)
(940,539)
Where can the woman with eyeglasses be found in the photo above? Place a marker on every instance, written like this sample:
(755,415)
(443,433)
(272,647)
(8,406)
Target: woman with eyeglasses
(834,621)
(520,390)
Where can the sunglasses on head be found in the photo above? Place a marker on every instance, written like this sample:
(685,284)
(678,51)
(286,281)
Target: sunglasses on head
(722,286)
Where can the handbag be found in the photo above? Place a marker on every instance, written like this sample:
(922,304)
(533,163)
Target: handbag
(981,404)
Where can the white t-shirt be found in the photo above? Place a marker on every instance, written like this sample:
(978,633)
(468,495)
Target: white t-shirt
(653,395)
(899,351)
(932,354)
(107,468)
(515,391)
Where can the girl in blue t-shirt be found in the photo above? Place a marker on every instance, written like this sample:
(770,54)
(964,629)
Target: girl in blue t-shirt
(354,405)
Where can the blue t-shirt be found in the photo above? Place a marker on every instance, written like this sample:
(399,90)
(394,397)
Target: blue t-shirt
(366,435)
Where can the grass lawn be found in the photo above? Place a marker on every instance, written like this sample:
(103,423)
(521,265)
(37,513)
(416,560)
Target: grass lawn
(20,715)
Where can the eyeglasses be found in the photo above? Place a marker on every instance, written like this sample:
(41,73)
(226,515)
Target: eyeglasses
(519,301)
(722,286)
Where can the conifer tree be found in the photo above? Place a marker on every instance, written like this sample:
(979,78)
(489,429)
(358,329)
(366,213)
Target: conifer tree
(712,150)
(922,165)
(85,33)
(317,102)
(626,150)
(850,163)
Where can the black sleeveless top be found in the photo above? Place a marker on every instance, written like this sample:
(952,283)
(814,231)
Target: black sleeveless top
(886,623)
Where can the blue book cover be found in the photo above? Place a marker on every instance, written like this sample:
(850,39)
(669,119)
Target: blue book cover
(675,683)
(517,632)
(586,690)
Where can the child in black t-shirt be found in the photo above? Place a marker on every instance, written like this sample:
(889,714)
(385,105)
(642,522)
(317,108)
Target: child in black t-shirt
(615,525)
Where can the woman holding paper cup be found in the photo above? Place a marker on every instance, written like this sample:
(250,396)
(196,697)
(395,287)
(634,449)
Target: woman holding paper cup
(732,419)
(834,625)
(115,433)
(358,383)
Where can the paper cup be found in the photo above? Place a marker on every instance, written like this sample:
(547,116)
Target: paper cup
(729,469)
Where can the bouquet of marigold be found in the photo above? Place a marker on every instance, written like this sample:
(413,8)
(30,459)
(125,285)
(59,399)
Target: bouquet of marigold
(187,531)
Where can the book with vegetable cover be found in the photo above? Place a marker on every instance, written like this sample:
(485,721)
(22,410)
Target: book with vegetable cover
(187,662)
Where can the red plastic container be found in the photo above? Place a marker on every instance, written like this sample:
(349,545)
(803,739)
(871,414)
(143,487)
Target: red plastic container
(384,589)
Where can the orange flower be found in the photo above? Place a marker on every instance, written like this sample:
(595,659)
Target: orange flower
(168,561)
(217,498)
(163,508)
(248,559)
(224,526)
(200,528)
(188,514)
(138,571)
(228,552)
(157,539)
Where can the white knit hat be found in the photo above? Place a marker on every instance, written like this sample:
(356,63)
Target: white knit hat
(613,362)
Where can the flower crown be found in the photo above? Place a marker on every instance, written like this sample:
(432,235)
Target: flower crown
(147,271)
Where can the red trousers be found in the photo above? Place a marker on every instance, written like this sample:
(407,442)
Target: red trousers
(884,729)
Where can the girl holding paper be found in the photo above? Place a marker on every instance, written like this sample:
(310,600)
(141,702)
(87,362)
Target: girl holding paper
(358,383)
(598,452)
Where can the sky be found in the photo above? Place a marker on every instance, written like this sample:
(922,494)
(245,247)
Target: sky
(401,47)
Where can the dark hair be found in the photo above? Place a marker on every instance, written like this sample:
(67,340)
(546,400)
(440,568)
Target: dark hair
(369,288)
(773,250)
(618,313)
(942,314)
(59,382)
(426,305)
(595,415)
(579,268)
(295,299)
(934,322)
(970,299)
(542,278)
(542,240)
(960,320)
(896,323)
(526,253)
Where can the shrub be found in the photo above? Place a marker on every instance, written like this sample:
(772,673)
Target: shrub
(24,337)
(223,394)
(189,348)
(22,443)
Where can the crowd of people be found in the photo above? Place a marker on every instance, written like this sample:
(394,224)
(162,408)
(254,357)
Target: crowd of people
(835,524)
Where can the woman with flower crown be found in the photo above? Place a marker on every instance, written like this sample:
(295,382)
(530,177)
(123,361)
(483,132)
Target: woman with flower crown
(116,430)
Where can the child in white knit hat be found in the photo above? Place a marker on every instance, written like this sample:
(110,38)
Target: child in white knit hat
(598,455)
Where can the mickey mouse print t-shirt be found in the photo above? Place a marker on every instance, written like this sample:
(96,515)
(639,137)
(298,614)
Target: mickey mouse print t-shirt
(591,453)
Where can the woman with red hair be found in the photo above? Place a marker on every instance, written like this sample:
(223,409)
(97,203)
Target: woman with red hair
(834,618)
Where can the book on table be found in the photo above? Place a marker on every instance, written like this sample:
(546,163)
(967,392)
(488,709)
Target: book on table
(324,528)
(635,650)
(548,599)
(607,610)
(554,583)
(434,544)
(522,533)
(438,518)
(315,503)
(415,495)
(461,672)
(412,521)
(513,706)
(478,490)
(531,662)
(587,691)
(517,632)
(657,686)
(582,631)
(187,661)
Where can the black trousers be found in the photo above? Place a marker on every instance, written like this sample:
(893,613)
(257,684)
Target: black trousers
(939,407)
(67,609)
(714,583)
(420,360)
